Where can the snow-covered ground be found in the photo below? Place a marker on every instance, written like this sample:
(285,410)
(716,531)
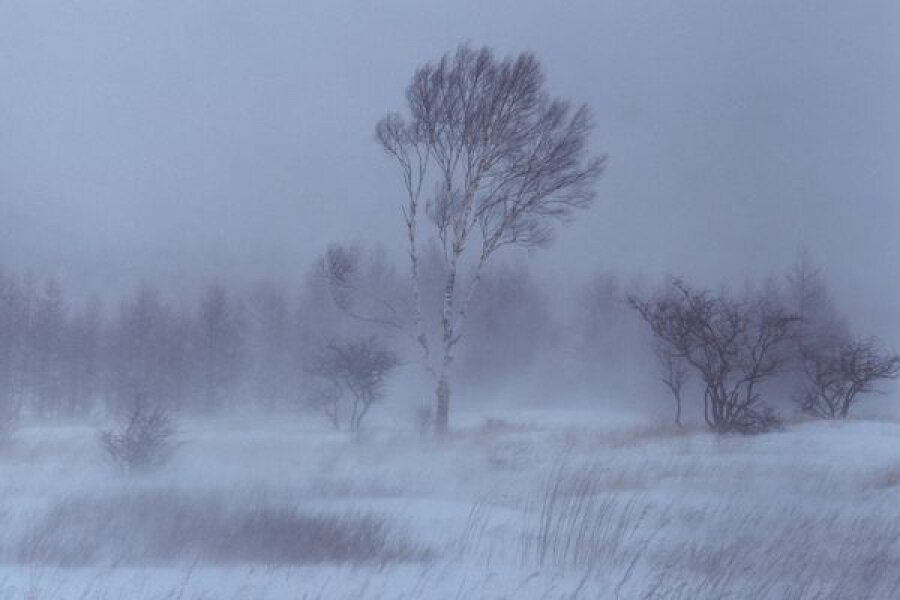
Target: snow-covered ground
(512,505)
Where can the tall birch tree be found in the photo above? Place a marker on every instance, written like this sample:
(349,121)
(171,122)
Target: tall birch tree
(488,159)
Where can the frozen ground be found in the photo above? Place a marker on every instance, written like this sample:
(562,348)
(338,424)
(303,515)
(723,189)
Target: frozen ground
(530,505)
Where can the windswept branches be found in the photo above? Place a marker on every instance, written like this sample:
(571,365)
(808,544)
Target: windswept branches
(358,368)
(361,290)
(143,439)
(506,155)
(839,372)
(502,160)
(836,366)
(732,343)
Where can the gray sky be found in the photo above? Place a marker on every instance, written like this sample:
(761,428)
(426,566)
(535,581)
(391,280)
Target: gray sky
(181,140)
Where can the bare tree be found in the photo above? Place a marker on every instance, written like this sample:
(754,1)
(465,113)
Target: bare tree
(492,161)
(731,343)
(357,367)
(839,372)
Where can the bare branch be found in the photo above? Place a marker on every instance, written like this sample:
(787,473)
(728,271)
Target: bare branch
(731,343)
(509,162)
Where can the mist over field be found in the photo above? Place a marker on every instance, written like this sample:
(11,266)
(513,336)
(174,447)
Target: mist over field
(449,300)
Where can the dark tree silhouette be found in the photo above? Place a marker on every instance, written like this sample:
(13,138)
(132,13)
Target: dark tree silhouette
(839,372)
(492,161)
(731,343)
(358,368)
(142,440)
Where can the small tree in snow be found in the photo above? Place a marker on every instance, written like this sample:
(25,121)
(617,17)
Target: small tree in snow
(732,343)
(840,372)
(142,439)
(352,375)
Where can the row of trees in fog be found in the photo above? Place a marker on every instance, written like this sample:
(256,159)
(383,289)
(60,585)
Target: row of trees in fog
(738,359)
(59,359)
(274,344)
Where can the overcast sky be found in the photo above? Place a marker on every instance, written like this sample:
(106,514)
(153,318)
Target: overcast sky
(178,141)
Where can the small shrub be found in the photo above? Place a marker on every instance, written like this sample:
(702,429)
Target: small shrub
(733,343)
(842,370)
(357,369)
(142,441)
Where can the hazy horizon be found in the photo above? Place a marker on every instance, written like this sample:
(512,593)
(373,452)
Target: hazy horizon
(179,142)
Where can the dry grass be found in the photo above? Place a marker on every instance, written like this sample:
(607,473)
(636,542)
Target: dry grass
(672,547)
(580,526)
(153,527)
(510,513)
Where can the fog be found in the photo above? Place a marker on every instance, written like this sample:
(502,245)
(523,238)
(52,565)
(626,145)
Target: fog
(172,141)
(205,285)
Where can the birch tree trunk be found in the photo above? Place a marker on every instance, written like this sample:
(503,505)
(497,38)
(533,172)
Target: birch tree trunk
(509,160)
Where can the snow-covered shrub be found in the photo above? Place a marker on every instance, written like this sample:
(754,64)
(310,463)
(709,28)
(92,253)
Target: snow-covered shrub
(143,439)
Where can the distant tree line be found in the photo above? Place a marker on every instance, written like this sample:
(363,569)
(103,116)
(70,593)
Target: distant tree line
(740,360)
(271,345)
(57,358)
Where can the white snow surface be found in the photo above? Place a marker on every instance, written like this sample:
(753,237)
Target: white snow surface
(517,505)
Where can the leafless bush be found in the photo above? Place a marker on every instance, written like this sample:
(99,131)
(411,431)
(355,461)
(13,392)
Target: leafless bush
(166,526)
(838,372)
(732,343)
(142,441)
(356,368)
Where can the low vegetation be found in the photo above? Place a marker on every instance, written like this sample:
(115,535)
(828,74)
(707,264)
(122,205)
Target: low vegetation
(142,440)
(168,526)
(582,510)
